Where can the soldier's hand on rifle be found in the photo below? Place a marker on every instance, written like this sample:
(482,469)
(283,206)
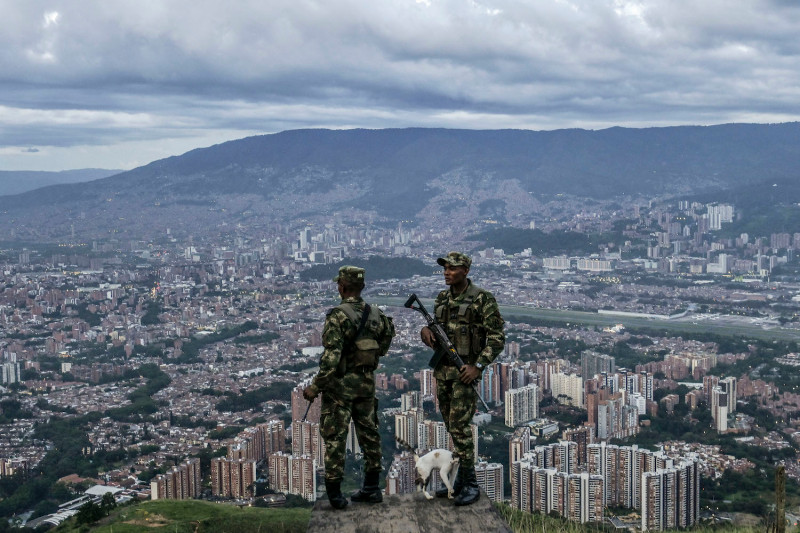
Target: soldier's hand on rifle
(468,374)
(309,394)
(427,336)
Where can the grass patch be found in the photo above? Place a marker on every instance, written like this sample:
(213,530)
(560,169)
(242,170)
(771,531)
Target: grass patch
(195,516)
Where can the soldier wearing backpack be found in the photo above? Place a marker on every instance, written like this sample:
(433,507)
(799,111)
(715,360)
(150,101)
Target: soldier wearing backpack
(355,336)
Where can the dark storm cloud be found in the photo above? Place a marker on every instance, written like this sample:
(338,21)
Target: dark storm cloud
(180,73)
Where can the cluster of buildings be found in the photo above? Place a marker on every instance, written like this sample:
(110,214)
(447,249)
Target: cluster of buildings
(60,312)
(579,484)
(182,482)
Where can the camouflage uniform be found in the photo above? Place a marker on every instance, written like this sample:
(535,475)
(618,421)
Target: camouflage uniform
(473,324)
(349,390)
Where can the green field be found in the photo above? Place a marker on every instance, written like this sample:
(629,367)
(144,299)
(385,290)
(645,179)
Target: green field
(584,318)
(195,516)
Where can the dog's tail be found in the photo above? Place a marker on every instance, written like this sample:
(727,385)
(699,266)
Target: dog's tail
(405,445)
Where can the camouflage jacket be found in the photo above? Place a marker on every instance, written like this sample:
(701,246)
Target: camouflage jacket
(473,323)
(338,333)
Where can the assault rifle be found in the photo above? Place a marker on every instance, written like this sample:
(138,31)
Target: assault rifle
(444,345)
(307,410)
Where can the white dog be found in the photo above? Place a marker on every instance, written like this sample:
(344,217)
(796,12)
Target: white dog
(445,461)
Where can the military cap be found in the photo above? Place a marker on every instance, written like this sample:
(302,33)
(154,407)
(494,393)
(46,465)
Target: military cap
(455,259)
(350,274)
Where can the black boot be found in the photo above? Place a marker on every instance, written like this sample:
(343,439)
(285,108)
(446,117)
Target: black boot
(470,492)
(334,490)
(458,484)
(371,492)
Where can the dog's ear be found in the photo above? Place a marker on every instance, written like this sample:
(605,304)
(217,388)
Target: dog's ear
(416,457)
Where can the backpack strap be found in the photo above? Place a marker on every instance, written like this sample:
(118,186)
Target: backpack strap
(364,317)
(353,316)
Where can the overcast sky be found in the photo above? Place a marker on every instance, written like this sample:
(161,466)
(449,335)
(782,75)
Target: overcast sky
(120,83)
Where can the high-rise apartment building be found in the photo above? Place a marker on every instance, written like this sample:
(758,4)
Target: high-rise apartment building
(182,482)
(577,497)
(299,404)
(567,388)
(257,442)
(10,373)
(293,474)
(410,400)
(401,475)
(306,440)
(582,436)
(432,434)
(490,479)
(406,426)
(233,478)
(670,497)
(521,405)
(519,445)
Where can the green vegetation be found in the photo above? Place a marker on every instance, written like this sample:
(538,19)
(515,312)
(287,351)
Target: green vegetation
(279,390)
(191,349)
(195,516)
(256,339)
(377,268)
(11,409)
(141,401)
(151,315)
(522,522)
(93,319)
(225,433)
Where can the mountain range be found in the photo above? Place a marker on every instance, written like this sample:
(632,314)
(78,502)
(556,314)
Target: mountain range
(19,181)
(404,174)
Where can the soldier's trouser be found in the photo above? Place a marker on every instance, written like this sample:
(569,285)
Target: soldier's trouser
(335,421)
(458,403)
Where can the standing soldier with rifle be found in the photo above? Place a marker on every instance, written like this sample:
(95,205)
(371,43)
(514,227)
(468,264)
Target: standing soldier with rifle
(355,336)
(471,319)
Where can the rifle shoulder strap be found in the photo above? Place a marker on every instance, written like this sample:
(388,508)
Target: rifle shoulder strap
(353,316)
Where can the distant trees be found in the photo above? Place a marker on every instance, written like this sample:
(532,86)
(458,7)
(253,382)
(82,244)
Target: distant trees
(90,512)
(253,399)
(151,315)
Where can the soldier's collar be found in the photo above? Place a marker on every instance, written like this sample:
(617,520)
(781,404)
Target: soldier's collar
(454,295)
(353,299)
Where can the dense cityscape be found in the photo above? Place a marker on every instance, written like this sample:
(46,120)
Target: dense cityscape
(172,367)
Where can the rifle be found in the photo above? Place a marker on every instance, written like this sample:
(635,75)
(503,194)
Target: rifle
(307,410)
(445,345)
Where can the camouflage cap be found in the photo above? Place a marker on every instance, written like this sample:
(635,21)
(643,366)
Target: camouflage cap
(455,259)
(350,274)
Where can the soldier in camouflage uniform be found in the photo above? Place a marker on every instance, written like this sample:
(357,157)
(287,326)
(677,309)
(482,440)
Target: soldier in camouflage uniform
(355,336)
(472,320)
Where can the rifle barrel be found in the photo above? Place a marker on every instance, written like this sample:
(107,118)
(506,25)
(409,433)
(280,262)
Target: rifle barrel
(307,410)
